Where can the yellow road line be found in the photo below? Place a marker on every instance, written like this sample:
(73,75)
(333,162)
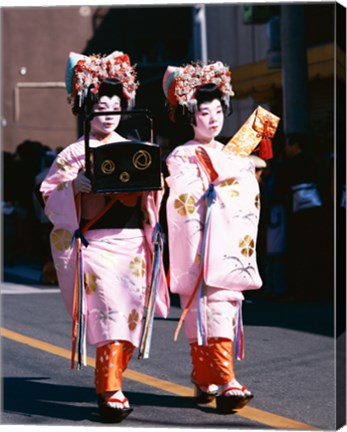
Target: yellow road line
(253,414)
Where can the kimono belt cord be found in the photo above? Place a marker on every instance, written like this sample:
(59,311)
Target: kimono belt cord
(212,175)
(210,195)
(78,320)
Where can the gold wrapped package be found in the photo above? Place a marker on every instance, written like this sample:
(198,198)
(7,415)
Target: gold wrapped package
(259,127)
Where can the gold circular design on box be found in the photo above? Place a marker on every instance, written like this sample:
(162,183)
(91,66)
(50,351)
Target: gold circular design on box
(142,160)
(124,177)
(108,166)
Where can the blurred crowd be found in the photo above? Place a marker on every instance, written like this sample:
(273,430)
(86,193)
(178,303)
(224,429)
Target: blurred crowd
(295,245)
(25,226)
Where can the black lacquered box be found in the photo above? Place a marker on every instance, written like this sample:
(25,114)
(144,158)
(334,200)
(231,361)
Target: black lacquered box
(125,166)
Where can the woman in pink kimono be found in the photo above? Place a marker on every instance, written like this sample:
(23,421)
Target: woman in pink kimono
(104,242)
(212,213)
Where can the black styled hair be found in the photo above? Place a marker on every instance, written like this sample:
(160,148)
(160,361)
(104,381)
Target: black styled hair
(113,87)
(109,87)
(205,93)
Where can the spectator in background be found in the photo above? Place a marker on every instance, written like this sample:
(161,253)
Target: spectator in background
(28,164)
(8,207)
(297,184)
(330,187)
(48,275)
(276,286)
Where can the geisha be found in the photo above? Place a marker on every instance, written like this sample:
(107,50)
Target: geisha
(212,213)
(103,242)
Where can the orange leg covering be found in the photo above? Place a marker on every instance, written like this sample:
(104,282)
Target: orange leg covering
(212,364)
(111,361)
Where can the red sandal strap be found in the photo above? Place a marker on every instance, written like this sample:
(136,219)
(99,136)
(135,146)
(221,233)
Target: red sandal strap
(111,399)
(242,389)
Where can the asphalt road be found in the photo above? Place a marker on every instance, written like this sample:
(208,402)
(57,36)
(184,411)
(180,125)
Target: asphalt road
(289,365)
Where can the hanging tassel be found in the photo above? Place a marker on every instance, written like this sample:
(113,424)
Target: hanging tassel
(81,352)
(79,336)
(78,322)
(200,317)
(265,149)
(210,196)
(148,325)
(265,146)
(75,323)
(239,335)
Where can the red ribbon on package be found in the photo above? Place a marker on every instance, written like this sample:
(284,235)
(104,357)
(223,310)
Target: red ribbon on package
(257,130)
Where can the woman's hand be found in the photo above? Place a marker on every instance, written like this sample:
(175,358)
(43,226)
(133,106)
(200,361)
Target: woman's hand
(82,183)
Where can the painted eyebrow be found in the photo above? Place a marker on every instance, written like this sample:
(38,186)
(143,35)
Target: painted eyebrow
(207,110)
(104,104)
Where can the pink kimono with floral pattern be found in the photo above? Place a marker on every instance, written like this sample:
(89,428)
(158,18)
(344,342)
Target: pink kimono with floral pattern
(116,263)
(229,261)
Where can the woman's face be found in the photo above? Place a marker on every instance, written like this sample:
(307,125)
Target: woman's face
(209,121)
(104,125)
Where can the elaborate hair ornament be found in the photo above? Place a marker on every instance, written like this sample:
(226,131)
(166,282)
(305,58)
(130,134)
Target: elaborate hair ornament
(181,83)
(83,71)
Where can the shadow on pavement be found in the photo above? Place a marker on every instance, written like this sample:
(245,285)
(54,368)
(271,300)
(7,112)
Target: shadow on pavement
(34,396)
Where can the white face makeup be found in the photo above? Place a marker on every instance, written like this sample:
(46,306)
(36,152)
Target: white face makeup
(209,121)
(104,125)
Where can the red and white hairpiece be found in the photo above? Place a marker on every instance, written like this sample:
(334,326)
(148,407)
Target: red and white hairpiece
(181,83)
(83,71)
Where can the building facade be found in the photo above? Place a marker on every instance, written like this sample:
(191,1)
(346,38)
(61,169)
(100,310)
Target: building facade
(36,42)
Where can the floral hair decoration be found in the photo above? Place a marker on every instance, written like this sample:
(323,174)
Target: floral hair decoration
(83,71)
(181,83)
